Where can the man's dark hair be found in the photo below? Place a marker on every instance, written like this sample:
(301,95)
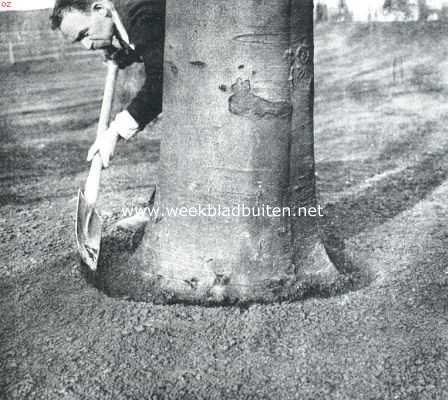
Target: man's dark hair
(63,5)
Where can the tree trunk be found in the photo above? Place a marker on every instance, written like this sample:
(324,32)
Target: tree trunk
(237,130)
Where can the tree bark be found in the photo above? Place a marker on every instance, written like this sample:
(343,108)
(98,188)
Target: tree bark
(237,130)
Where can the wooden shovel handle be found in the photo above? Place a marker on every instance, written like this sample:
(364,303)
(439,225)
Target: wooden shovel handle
(92,186)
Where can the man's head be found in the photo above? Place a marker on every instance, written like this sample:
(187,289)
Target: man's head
(87,21)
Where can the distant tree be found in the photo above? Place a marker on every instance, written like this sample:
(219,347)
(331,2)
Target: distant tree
(344,13)
(321,12)
(444,13)
(423,10)
(402,6)
(387,5)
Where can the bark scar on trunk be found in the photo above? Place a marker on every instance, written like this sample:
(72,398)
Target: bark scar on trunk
(301,66)
(173,68)
(199,64)
(261,38)
(245,103)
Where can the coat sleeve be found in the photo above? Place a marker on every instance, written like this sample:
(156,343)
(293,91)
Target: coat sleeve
(147,34)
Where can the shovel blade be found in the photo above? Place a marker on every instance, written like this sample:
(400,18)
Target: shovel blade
(88,232)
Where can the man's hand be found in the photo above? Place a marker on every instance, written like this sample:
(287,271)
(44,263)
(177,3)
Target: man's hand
(105,146)
(123,57)
(123,126)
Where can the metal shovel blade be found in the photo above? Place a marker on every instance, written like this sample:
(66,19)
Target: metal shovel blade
(88,232)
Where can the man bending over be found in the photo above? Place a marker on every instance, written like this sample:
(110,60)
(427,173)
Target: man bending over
(128,31)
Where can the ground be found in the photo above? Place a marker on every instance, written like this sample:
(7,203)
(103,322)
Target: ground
(382,166)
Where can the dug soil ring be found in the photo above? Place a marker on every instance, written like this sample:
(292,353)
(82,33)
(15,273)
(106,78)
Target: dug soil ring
(122,274)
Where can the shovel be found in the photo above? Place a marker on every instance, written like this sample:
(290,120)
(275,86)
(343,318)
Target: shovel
(88,222)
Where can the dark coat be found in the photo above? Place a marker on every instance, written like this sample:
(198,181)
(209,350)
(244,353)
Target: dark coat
(144,21)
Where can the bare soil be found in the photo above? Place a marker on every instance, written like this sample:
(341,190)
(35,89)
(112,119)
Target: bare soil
(382,166)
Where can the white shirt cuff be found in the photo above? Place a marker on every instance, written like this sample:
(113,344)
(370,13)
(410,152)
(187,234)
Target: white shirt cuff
(125,125)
